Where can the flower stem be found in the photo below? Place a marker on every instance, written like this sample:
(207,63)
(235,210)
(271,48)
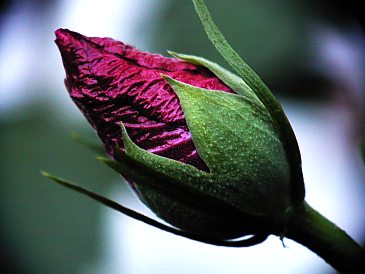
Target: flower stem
(335,246)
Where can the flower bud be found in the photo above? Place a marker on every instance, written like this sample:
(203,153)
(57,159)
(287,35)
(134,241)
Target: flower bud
(193,137)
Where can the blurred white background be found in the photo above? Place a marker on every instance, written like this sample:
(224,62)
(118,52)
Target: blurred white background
(327,129)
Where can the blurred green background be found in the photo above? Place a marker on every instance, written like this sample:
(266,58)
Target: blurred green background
(47,229)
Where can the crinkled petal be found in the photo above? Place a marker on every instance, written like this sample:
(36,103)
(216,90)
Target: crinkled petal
(112,82)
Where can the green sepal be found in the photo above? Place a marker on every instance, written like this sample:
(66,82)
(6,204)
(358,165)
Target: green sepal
(178,181)
(190,195)
(239,145)
(179,177)
(243,70)
(173,170)
(232,188)
(222,125)
(233,81)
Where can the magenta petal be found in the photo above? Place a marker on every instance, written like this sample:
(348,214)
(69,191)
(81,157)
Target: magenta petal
(112,82)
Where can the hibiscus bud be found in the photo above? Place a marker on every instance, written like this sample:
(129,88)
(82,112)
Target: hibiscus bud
(185,123)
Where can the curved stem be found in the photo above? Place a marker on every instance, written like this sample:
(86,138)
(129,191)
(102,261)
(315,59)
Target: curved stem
(335,246)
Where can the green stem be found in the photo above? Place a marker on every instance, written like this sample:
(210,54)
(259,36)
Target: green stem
(311,229)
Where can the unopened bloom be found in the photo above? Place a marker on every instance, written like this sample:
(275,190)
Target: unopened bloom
(112,82)
(185,121)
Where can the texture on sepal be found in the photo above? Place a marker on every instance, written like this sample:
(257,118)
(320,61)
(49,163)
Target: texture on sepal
(280,121)
(185,206)
(233,81)
(239,145)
